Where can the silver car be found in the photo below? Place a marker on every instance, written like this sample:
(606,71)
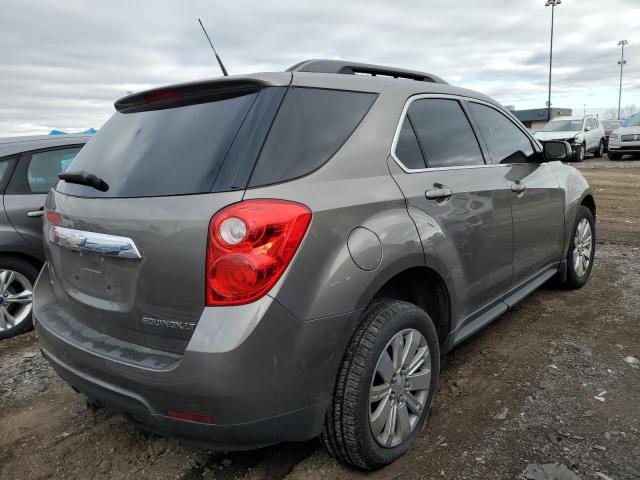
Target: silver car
(584,134)
(275,257)
(625,140)
(29,167)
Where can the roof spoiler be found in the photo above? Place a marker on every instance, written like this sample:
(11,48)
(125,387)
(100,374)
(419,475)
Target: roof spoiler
(355,68)
(189,93)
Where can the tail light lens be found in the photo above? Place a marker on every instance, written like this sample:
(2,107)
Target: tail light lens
(250,245)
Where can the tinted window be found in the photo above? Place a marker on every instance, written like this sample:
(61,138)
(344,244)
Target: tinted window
(407,147)
(444,133)
(506,142)
(311,125)
(4,168)
(44,167)
(161,152)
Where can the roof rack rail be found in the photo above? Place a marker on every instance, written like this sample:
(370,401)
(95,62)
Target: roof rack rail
(355,68)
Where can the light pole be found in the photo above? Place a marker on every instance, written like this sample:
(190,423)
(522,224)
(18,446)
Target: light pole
(553,4)
(622,63)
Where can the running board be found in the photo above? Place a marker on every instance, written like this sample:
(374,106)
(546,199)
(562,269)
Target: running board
(477,321)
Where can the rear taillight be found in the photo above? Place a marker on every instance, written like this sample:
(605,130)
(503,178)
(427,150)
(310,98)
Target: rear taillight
(250,245)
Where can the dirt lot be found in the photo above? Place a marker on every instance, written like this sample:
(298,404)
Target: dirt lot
(523,391)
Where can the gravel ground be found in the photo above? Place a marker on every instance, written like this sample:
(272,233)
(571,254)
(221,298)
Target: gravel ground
(544,388)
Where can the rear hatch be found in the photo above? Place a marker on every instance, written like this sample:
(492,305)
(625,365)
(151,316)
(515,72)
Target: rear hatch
(129,260)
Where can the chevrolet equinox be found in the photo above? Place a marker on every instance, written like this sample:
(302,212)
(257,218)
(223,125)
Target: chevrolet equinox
(278,256)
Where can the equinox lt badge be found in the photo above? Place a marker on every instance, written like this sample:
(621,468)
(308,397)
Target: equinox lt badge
(156,322)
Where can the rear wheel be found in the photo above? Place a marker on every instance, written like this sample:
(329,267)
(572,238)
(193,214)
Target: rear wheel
(600,151)
(582,249)
(17,278)
(614,156)
(385,386)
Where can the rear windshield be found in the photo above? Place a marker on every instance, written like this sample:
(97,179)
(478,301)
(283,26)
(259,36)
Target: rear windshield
(214,146)
(161,152)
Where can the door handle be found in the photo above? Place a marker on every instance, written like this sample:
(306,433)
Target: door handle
(36,213)
(439,192)
(518,187)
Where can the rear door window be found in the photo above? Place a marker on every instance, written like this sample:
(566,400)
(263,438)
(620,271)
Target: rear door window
(444,133)
(310,127)
(505,141)
(44,167)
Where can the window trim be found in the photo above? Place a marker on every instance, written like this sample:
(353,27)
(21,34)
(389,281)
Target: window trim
(462,100)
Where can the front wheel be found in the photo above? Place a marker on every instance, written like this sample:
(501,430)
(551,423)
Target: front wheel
(582,249)
(385,386)
(600,151)
(578,155)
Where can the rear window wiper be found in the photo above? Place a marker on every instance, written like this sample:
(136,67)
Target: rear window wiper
(84,178)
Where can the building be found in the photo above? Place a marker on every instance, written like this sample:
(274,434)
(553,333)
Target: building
(536,118)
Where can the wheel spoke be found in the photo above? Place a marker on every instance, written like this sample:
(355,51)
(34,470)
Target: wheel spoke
(379,392)
(390,427)
(3,321)
(576,262)
(9,319)
(403,421)
(380,416)
(6,277)
(412,402)
(420,380)
(24,297)
(419,359)
(410,348)
(385,367)
(397,346)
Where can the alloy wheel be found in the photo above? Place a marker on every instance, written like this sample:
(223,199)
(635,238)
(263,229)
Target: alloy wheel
(16,294)
(399,388)
(582,248)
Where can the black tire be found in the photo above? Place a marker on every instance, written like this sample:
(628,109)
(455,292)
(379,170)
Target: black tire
(614,156)
(600,150)
(578,155)
(347,434)
(31,273)
(574,280)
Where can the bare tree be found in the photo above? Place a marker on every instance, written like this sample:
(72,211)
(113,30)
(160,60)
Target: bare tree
(612,113)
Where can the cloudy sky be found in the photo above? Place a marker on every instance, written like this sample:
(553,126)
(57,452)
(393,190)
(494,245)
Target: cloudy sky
(64,63)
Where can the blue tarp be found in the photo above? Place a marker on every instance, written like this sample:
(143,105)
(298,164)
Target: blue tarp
(89,131)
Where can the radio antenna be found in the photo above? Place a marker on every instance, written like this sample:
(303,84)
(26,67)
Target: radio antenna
(224,70)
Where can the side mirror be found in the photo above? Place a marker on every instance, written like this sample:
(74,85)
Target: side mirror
(556,150)
(587,128)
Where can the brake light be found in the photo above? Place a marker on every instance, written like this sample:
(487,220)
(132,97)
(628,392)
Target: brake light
(162,95)
(250,245)
(53,218)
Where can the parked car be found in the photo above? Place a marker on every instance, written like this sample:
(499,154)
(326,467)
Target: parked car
(299,269)
(609,126)
(585,134)
(28,169)
(626,139)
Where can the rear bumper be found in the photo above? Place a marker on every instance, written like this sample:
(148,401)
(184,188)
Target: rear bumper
(294,426)
(262,377)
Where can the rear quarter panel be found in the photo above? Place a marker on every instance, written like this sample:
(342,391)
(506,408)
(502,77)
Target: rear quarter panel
(353,189)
